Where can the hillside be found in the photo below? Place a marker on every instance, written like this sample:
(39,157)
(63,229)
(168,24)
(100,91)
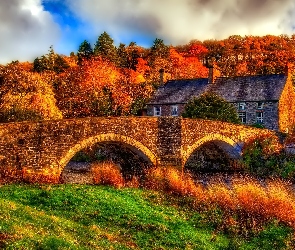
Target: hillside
(96,217)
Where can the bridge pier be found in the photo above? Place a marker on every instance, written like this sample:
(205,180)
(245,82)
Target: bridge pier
(169,142)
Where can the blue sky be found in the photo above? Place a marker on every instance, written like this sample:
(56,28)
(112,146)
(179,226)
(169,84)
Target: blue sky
(29,27)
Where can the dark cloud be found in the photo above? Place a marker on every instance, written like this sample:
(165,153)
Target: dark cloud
(180,21)
(26,30)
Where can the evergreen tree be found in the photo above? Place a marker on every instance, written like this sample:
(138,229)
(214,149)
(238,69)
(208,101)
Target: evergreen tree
(85,51)
(51,62)
(105,48)
(158,50)
(132,56)
(122,56)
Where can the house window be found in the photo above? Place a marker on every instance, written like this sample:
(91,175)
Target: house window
(242,116)
(157,111)
(259,117)
(174,110)
(260,105)
(242,106)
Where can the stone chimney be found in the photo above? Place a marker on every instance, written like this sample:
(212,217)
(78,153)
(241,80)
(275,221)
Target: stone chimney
(214,72)
(289,68)
(161,71)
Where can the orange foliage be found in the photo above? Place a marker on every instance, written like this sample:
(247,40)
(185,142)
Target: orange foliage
(173,181)
(26,93)
(107,173)
(46,176)
(186,67)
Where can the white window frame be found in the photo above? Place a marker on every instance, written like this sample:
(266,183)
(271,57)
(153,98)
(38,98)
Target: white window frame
(157,111)
(242,116)
(259,117)
(241,106)
(260,105)
(174,110)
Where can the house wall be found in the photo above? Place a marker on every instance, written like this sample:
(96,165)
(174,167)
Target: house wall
(287,106)
(165,109)
(270,110)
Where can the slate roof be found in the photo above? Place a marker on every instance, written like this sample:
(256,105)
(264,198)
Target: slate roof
(179,91)
(232,89)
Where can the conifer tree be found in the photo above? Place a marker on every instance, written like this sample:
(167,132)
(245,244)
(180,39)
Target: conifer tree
(104,47)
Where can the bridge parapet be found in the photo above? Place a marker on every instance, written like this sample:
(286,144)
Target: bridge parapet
(165,141)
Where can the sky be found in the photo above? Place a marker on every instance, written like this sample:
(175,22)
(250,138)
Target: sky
(29,27)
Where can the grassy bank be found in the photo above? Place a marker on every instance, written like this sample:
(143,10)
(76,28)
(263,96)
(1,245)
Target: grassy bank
(97,217)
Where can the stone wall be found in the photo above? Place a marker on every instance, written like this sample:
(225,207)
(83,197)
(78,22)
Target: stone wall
(270,110)
(46,147)
(165,109)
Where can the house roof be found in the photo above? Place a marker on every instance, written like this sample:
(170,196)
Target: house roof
(179,91)
(232,89)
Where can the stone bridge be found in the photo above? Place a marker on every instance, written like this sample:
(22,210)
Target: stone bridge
(48,146)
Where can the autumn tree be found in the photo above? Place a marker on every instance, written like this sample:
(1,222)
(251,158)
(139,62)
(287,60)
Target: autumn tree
(25,96)
(105,48)
(211,106)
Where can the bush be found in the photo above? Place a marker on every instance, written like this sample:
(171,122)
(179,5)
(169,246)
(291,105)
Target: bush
(211,106)
(264,157)
(107,173)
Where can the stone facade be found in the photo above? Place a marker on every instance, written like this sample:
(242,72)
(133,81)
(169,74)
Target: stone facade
(275,92)
(46,147)
(252,112)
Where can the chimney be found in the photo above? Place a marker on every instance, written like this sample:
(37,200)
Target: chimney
(289,68)
(161,71)
(214,72)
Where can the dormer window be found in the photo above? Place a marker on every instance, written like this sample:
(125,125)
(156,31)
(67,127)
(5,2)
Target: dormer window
(174,110)
(260,105)
(157,111)
(242,106)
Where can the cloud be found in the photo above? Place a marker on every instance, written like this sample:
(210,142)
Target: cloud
(26,30)
(179,21)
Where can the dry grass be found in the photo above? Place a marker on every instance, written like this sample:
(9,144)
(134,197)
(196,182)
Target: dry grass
(46,176)
(107,173)
(246,197)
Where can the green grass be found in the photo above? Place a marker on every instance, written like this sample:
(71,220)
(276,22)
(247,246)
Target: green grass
(96,217)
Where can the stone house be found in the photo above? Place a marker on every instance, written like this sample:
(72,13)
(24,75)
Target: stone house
(268,100)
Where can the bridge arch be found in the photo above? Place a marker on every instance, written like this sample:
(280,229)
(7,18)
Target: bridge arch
(106,138)
(228,145)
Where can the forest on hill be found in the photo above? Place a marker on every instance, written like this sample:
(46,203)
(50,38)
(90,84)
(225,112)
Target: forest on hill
(109,80)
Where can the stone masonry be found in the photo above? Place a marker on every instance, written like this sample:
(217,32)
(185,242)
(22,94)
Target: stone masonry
(47,147)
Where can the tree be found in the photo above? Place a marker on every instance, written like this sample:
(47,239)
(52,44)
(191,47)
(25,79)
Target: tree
(211,106)
(122,56)
(25,96)
(105,48)
(132,56)
(50,62)
(85,51)
(158,51)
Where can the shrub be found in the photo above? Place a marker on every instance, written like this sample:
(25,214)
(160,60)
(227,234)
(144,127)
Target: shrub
(107,173)
(46,176)
(173,181)
(211,106)
(263,156)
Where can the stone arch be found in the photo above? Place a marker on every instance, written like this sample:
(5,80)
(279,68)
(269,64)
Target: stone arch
(106,138)
(232,148)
